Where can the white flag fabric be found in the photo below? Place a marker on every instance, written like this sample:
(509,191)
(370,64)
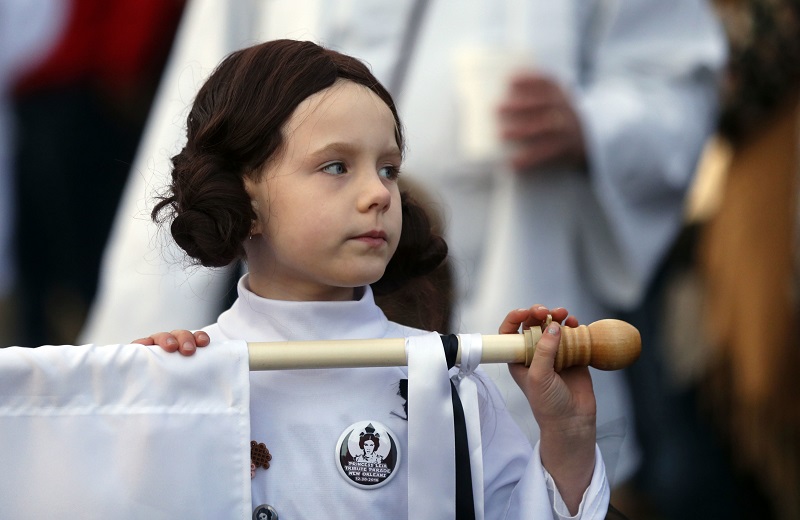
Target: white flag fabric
(431,472)
(124,432)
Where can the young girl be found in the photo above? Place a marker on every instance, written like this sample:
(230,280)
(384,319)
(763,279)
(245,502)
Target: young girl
(291,163)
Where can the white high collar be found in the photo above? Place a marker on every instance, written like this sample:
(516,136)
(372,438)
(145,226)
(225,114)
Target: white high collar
(253,318)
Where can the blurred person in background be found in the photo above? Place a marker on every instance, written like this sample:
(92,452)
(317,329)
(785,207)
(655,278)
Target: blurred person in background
(27,31)
(79,114)
(749,260)
(606,111)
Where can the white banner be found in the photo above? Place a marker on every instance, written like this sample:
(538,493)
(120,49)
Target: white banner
(124,432)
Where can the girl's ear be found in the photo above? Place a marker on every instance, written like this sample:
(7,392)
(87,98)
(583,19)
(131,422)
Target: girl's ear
(255,225)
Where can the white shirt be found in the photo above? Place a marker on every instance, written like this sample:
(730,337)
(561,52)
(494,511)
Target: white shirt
(300,414)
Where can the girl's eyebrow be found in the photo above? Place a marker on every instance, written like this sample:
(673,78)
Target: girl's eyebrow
(334,147)
(345,148)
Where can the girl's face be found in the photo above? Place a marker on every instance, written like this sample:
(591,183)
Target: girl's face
(328,205)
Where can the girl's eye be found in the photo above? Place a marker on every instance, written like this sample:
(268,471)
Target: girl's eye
(336,168)
(389,172)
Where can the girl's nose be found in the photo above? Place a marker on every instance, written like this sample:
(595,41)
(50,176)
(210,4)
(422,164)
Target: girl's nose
(374,193)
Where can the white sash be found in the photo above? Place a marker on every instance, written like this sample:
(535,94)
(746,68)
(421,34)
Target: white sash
(431,445)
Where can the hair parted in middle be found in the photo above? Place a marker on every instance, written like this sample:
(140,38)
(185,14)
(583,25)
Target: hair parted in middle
(234,130)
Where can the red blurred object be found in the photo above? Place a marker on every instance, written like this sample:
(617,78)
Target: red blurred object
(111,43)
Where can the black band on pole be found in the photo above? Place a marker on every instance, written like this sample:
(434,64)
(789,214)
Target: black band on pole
(465,501)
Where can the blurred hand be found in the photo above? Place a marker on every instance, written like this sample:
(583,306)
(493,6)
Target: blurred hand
(538,121)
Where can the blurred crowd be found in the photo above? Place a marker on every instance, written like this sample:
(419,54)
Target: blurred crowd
(76,94)
(715,394)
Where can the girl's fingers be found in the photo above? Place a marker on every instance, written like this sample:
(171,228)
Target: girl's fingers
(536,380)
(538,315)
(183,341)
(165,340)
(571,321)
(201,339)
(559,314)
(513,320)
(535,316)
(187,345)
(544,357)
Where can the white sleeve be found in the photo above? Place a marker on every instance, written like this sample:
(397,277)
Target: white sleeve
(648,103)
(594,503)
(516,485)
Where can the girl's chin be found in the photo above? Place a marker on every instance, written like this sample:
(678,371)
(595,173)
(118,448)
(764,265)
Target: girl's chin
(366,278)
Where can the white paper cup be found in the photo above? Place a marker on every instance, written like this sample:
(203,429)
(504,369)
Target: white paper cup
(483,76)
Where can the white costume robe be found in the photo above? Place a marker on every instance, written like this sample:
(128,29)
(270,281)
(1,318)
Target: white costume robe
(642,75)
(300,414)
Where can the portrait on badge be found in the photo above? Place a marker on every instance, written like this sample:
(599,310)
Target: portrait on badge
(369,441)
(367,454)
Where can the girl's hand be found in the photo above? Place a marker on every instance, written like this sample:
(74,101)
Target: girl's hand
(562,403)
(183,341)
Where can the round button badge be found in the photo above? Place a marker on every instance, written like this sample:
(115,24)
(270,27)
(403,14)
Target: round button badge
(265,512)
(367,454)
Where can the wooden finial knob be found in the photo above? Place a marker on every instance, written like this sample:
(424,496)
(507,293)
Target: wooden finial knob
(604,344)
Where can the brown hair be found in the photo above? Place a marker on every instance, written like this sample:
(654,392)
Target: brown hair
(235,128)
